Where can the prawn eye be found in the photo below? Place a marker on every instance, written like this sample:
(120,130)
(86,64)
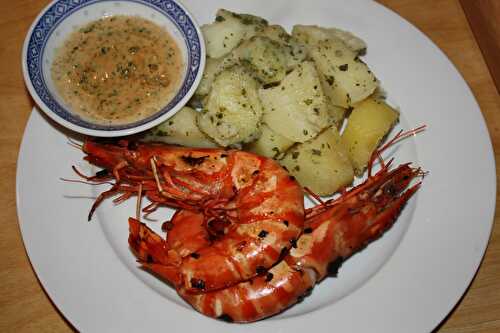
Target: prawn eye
(102,173)
(260,270)
(132,145)
(195,255)
(308,230)
(193,161)
(167,226)
(198,283)
(263,234)
(269,277)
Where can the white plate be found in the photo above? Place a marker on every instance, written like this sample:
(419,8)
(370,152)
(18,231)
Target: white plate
(405,282)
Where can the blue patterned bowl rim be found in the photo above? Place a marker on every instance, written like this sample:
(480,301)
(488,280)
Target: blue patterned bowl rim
(59,10)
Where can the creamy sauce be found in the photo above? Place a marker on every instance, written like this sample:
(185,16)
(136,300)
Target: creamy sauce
(118,70)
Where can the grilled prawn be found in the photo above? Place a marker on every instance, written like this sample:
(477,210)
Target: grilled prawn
(333,231)
(239,196)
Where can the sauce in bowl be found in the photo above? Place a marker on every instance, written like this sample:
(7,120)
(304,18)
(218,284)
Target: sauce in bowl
(118,70)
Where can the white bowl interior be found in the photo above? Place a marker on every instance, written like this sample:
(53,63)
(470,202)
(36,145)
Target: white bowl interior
(97,11)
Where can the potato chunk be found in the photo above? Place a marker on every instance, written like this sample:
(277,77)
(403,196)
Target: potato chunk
(233,112)
(211,70)
(321,164)
(297,108)
(346,79)
(276,33)
(368,124)
(312,35)
(229,30)
(336,114)
(181,129)
(266,58)
(296,52)
(270,144)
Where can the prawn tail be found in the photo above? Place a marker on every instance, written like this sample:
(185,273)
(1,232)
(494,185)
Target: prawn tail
(153,253)
(166,273)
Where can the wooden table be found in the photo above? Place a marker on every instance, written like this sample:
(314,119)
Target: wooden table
(23,304)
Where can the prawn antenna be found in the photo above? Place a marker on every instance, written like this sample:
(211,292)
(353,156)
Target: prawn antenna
(86,182)
(75,144)
(401,135)
(314,195)
(138,206)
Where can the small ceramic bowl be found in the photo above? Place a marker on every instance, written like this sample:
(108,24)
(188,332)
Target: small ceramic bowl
(61,17)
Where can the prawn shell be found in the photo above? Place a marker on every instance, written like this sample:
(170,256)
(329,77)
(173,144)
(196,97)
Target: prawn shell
(262,204)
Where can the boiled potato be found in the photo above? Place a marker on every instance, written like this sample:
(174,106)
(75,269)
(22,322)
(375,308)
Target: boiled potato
(266,57)
(233,111)
(276,33)
(229,30)
(336,114)
(312,34)
(211,70)
(296,52)
(181,129)
(269,144)
(368,124)
(321,164)
(245,19)
(297,108)
(345,78)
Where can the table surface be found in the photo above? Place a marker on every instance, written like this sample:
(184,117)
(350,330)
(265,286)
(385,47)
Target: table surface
(23,304)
